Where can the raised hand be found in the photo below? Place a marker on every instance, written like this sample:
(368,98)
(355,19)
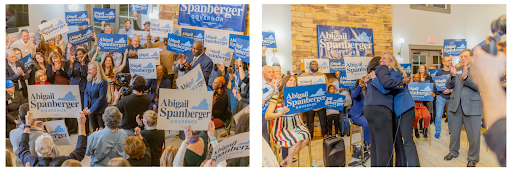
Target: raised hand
(188,134)
(138,120)
(137,132)
(29,119)
(181,58)
(211,130)
(81,118)
(453,70)
(41,32)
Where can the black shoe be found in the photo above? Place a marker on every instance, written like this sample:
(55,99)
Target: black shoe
(416,133)
(449,157)
(348,134)
(425,133)
(471,164)
(446,120)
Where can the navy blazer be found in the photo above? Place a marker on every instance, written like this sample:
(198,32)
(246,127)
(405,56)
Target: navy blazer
(206,64)
(78,75)
(357,102)
(374,96)
(96,98)
(151,84)
(11,75)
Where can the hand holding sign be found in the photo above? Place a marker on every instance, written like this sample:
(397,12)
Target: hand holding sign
(29,119)
(211,130)
(188,134)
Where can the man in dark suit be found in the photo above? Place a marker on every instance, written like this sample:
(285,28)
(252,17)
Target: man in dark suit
(466,108)
(196,57)
(13,101)
(15,71)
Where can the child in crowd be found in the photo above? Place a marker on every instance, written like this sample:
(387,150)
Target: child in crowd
(40,78)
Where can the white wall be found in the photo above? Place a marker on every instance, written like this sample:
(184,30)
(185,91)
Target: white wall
(470,22)
(277,17)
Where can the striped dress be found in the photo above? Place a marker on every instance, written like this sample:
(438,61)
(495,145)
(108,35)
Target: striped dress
(288,130)
(110,90)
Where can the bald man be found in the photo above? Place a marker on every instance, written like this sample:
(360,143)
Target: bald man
(268,83)
(132,52)
(192,59)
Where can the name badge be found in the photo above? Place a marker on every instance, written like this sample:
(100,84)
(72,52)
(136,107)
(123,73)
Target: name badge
(459,72)
(161,50)
(9,101)
(26,50)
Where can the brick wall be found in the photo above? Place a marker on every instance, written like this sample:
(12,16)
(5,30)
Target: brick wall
(171,12)
(305,18)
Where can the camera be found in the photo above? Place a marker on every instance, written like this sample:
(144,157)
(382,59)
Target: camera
(497,42)
(122,83)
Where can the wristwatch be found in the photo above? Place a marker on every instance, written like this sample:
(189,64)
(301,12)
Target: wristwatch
(28,126)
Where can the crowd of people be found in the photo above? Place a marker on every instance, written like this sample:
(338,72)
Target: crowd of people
(115,127)
(382,105)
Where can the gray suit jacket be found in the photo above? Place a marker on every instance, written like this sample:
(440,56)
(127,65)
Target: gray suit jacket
(465,92)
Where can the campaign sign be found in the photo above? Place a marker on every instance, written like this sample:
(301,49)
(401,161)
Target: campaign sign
(336,101)
(234,37)
(219,54)
(407,68)
(76,18)
(233,147)
(54,101)
(178,44)
(344,83)
(176,31)
(104,14)
(356,67)
(142,34)
(452,47)
(54,27)
(140,8)
(57,129)
(269,39)
(335,42)
(242,50)
(268,158)
(178,110)
(336,65)
(421,91)
(27,61)
(323,65)
(218,16)
(304,98)
(113,42)
(149,53)
(143,67)
(161,28)
(216,38)
(440,82)
(311,80)
(193,80)
(197,35)
(433,71)
(81,36)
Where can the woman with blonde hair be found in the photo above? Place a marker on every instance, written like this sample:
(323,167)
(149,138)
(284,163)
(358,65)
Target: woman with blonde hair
(154,138)
(95,100)
(118,162)
(40,78)
(71,163)
(169,156)
(288,130)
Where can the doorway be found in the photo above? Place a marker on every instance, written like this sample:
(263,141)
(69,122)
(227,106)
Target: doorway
(425,55)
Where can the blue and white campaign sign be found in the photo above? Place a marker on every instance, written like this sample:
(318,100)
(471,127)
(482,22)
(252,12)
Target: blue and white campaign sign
(140,8)
(440,82)
(234,37)
(336,65)
(356,67)
(233,147)
(311,80)
(344,83)
(143,67)
(81,36)
(193,80)
(27,61)
(178,44)
(304,98)
(219,54)
(149,53)
(269,39)
(452,47)
(176,31)
(57,129)
(104,14)
(218,16)
(335,42)
(407,68)
(54,27)
(197,35)
(432,72)
(242,50)
(323,65)
(421,91)
(142,34)
(216,38)
(76,18)
(161,28)
(336,101)
(113,42)
(177,110)
(54,101)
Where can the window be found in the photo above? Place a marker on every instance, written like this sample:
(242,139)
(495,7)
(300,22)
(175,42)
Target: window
(440,8)
(16,16)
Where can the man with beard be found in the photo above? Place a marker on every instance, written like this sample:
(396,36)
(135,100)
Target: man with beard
(310,115)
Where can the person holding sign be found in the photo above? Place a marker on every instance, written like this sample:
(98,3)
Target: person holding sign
(421,111)
(95,95)
(127,28)
(167,58)
(50,47)
(288,130)
(153,85)
(24,44)
(16,72)
(39,64)
(132,52)
(45,147)
(332,115)
(443,98)
(57,71)
(310,115)
(111,71)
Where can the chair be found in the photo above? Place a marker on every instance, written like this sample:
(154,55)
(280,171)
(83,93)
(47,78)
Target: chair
(310,157)
(352,125)
(227,128)
(429,136)
(276,148)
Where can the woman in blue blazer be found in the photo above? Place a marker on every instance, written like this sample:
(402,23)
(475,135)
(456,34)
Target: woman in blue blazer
(154,85)
(95,94)
(356,113)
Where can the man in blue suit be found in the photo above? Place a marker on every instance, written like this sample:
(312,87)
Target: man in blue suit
(192,59)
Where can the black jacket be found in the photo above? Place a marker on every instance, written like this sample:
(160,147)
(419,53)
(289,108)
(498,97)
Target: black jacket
(220,107)
(35,161)
(146,160)
(11,75)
